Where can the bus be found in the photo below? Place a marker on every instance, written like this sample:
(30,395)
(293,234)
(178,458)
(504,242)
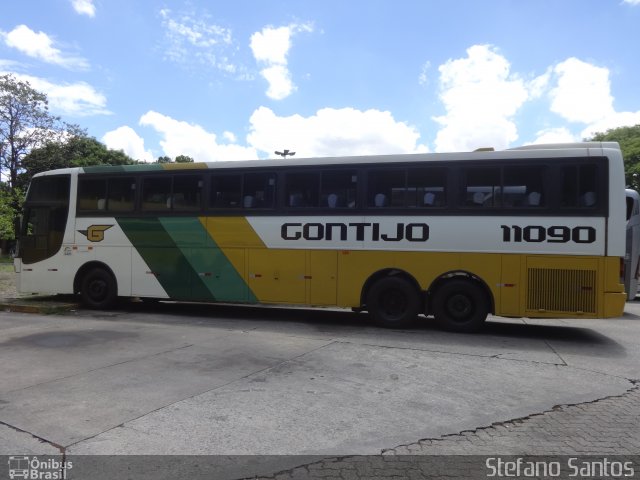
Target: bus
(535,231)
(632,244)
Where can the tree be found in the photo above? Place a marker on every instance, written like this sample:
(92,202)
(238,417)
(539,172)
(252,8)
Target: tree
(79,150)
(184,159)
(164,160)
(25,123)
(7,219)
(629,140)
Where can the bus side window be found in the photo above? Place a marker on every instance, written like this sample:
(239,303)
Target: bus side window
(579,186)
(301,189)
(226,191)
(187,192)
(426,187)
(155,193)
(338,189)
(122,191)
(92,193)
(258,190)
(481,187)
(523,186)
(387,188)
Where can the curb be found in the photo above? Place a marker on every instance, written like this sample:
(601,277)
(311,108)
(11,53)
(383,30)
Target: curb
(43,305)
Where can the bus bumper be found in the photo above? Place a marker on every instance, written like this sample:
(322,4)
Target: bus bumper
(614,303)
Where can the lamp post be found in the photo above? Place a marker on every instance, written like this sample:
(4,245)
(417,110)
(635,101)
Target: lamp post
(285,153)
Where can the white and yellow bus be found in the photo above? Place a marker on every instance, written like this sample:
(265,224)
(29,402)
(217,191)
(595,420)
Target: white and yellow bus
(529,232)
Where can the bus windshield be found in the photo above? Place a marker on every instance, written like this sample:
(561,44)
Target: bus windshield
(44,218)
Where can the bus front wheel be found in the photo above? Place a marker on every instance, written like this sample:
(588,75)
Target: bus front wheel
(393,302)
(98,289)
(460,306)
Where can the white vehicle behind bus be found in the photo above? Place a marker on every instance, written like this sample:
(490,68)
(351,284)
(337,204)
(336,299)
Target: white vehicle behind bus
(632,255)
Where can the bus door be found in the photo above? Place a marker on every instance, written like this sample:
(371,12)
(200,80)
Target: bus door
(632,253)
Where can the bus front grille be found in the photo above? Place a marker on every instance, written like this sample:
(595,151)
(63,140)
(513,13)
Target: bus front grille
(560,290)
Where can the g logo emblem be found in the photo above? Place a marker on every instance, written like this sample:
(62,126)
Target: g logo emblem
(95,233)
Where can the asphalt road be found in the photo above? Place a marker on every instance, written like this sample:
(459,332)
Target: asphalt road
(217,380)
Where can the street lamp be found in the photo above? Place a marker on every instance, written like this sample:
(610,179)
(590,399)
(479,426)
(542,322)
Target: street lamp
(284,153)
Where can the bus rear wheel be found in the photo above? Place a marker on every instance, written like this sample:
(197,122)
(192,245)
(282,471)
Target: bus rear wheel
(393,302)
(98,289)
(460,306)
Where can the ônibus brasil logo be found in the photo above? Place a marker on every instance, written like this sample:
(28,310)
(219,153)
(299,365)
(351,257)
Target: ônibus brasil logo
(33,468)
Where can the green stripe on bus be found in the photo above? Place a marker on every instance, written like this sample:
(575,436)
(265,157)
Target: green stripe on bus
(147,167)
(209,262)
(185,259)
(165,259)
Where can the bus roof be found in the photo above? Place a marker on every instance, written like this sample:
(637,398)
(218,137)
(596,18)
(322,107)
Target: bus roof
(528,151)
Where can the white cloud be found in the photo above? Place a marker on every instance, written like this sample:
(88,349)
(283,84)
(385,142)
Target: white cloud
(279,80)
(76,99)
(555,135)
(39,45)
(84,7)
(230,137)
(332,132)
(270,48)
(480,97)
(632,2)
(423,78)
(193,39)
(582,93)
(126,139)
(182,138)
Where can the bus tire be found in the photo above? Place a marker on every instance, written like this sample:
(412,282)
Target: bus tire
(460,306)
(98,289)
(393,302)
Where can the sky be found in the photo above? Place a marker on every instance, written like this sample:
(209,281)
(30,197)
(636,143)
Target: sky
(241,79)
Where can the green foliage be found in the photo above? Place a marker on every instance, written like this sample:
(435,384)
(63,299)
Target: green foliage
(32,141)
(25,123)
(629,140)
(77,151)
(179,159)
(7,211)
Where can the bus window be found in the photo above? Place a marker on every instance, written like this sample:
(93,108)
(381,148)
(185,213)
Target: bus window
(122,194)
(426,187)
(579,186)
(386,188)
(45,218)
(155,193)
(226,191)
(301,189)
(481,187)
(92,193)
(54,188)
(259,190)
(338,189)
(522,187)
(186,193)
